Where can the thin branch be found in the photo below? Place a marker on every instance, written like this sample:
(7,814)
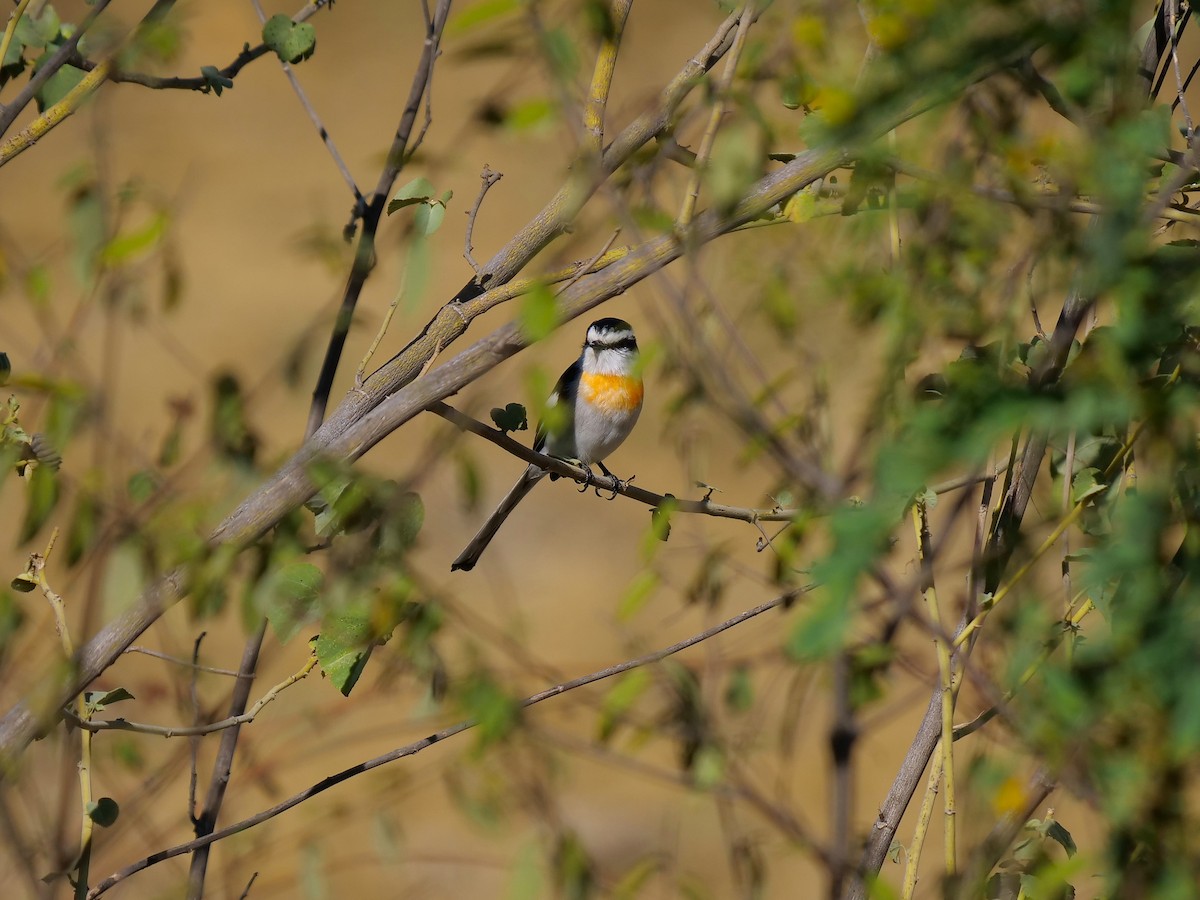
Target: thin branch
(223,763)
(14,19)
(82,861)
(745,19)
(487,178)
(589,266)
(602,75)
(170,731)
(843,734)
(946,678)
(180,662)
(1172,10)
(913,854)
(325,784)
(608,483)
(194,743)
(360,202)
(364,254)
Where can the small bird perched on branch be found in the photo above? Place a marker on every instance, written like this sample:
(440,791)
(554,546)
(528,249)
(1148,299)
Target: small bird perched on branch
(591,411)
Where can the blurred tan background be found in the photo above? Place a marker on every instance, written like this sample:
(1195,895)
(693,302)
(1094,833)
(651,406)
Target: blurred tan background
(256,208)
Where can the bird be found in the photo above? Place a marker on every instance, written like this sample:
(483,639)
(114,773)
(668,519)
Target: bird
(601,393)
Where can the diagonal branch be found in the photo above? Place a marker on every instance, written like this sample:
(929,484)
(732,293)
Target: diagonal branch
(606,482)
(325,784)
(364,254)
(602,76)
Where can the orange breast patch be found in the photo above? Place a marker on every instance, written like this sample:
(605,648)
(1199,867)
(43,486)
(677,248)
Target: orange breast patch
(615,393)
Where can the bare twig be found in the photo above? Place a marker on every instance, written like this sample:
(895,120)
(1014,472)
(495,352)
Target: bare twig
(1172,11)
(180,662)
(170,731)
(745,19)
(82,861)
(946,680)
(194,743)
(439,736)
(223,763)
(585,268)
(487,178)
(360,202)
(364,255)
(607,483)
(249,884)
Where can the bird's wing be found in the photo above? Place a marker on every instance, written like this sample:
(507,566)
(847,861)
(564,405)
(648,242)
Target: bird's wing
(567,383)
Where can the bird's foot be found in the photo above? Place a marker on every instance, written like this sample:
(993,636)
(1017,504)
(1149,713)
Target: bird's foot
(622,485)
(587,479)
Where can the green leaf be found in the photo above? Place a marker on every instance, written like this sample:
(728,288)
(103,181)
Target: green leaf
(531,114)
(480,14)
(526,881)
(289,598)
(739,692)
(660,518)
(637,594)
(86,215)
(822,629)
(215,80)
(512,417)
(58,85)
(620,699)
(291,42)
(708,767)
(23,583)
(84,528)
(125,246)
(37,284)
(1087,484)
(37,31)
(141,486)
(300,44)
(538,314)
(104,811)
(737,160)
(276,30)
(42,497)
(419,190)
(428,218)
(95,701)
(1056,832)
(343,648)
(495,713)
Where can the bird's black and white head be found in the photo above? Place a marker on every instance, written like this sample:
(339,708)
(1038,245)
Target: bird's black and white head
(610,347)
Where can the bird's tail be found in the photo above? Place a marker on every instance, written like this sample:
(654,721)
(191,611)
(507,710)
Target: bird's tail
(471,553)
